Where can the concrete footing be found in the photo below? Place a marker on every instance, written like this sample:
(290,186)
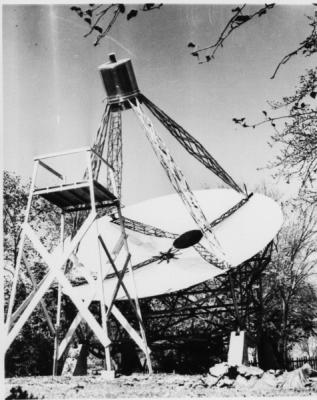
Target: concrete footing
(107,375)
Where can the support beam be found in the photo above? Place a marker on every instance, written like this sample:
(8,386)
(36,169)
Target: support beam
(59,305)
(55,272)
(181,186)
(42,303)
(20,251)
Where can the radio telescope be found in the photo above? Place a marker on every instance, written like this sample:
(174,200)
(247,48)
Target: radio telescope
(152,248)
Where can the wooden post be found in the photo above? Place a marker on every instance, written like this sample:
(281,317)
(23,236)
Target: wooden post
(104,316)
(104,321)
(136,300)
(20,252)
(87,301)
(55,272)
(45,311)
(59,304)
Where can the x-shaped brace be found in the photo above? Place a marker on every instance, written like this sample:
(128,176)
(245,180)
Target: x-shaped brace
(55,264)
(111,307)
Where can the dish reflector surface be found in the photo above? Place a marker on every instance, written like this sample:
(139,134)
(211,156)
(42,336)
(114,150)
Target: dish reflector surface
(241,235)
(154,279)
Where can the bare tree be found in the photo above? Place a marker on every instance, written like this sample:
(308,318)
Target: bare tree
(289,298)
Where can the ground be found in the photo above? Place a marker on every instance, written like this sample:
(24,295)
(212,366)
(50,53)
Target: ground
(136,385)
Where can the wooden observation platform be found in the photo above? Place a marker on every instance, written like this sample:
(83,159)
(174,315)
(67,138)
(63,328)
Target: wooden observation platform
(86,194)
(76,196)
(81,195)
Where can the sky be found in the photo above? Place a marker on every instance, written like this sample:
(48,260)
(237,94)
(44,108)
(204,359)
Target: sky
(54,97)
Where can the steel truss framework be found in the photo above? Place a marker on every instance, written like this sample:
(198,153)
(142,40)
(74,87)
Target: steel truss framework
(229,299)
(203,313)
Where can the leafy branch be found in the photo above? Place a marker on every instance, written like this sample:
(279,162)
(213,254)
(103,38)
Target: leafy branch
(101,18)
(297,139)
(299,105)
(307,47)
(271,120)
(235,22)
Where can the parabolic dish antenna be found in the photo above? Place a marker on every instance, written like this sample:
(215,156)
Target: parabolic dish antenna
(241,235)
(153,279)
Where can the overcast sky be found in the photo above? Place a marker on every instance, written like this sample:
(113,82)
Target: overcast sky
(53,95)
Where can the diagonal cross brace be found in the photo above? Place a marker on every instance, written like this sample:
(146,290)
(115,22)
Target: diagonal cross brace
(22,307)
(120,277)
(115,312)
(181,186)
(56,273)
(76,321)
(190,144)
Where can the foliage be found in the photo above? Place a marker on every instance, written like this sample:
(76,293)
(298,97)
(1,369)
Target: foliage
(16,392)
(308,346)
(31,352)
(101,18)
(289,299)
(297,139)
(306,47)
(42,214)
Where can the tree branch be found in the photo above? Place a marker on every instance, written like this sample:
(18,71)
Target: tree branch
(308,46)
(235,22)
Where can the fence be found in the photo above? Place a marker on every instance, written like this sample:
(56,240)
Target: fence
(295,363)
(299,362)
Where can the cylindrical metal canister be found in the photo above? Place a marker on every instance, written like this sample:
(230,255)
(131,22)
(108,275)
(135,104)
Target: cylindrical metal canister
(119,80)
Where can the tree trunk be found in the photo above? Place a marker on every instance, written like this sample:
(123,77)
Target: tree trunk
(81,365)
(284,332)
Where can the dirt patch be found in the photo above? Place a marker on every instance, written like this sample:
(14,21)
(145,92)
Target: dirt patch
(137,385)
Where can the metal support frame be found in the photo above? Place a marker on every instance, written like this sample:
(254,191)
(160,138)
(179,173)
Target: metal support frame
(181,186)
(114,149)
(207,307)
(191,145)
(212,301)
(199,308)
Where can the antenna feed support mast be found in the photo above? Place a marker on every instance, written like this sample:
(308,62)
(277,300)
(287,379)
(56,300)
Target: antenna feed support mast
(119,81)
